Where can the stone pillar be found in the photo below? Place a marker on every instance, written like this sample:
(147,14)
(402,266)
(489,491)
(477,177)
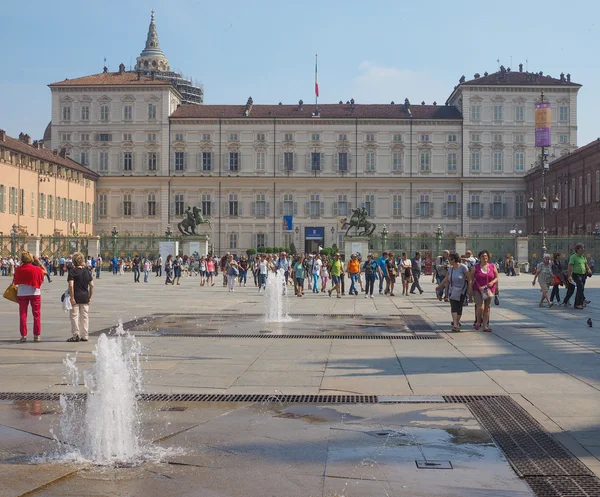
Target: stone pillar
(94,246)
(33,245)
(356,244)
(195,243)
(461,245)
(522,254)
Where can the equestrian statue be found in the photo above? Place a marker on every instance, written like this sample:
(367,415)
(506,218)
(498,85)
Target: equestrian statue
(193,218)
(359,220)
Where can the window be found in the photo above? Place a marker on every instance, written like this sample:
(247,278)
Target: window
(127,137)
(233,137)
(151,112)
(342,137)
(42,206)
(369,203)
(12,200)
(234,161)
(178,137)
(233,204)
(127,112)
(127,205)
(260,205)
(207,161)
(233,240)
(76,212)
(597,188)
(67,209)
(206,205)
(497,138)
(127,161)
(342,161)
(102,205)
(424,138)
(397,161)
(151,208)
(452,161)
(563,138)
(85,158)
(580,196)
(65,137)
(476,137)
(32,204)
(369,137)
(315,205)
(288,204)
(519,161)
(260,240)
(50,207)
(572,193)
(179,161)
(520,138)
(397,205)
(151,137)
(260,137)
(3,197)
(85,112)
(340,206)
(370,161)
(497,205)
(315,161)
(425,161)
(179,204)
(423,206)
(315,137)
(88,213)
(84,137)
(206,137)
(519,205)
(519,113)
(104,112)
(563,113)
(288,161)
(152,161)
(58,209)
(22,202)
(397,138)
(475,112)
(588,189)
(497,161)
(66,113)
(451,207)
(103,161)
(104,137)
(497,113)
(452,138)
(288,137)
(475,206)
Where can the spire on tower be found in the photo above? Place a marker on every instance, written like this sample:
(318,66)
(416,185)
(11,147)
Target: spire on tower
(152,57)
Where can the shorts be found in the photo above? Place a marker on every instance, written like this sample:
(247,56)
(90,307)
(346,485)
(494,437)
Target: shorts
(543,286)
(211,273)
(457,306)
(299,281)
(478,298)
(335,279)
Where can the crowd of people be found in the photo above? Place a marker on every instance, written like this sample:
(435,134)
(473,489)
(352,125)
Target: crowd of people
(460,279)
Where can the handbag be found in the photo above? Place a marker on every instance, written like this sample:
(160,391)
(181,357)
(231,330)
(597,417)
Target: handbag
(556,279)
(11,293)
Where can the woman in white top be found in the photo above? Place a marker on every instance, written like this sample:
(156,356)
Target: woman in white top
(406,271)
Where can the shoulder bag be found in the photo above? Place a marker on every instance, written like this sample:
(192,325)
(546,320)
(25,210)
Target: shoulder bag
(11,293)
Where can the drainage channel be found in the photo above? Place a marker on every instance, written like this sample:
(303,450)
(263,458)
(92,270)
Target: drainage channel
(432,336)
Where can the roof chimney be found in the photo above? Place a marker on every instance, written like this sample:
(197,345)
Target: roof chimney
(569,77)
(21,135)
(121,68)
(105,69)
(2,135)
(27,139)
(63,153)
(520,67)
(300,104)
(55,152)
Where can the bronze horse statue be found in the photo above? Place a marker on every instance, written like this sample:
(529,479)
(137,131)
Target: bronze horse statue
(193,219)
(359,220)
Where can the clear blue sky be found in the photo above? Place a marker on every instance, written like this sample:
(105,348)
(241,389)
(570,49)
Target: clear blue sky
(374,52)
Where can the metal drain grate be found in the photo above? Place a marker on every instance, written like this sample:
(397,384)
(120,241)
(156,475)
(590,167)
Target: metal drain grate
(283,399)
(564,486)
(175,408)
(305,337)
(465,399)
(527,445)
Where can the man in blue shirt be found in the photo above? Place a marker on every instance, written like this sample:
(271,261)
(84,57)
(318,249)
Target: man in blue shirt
(115,264)
(382,266)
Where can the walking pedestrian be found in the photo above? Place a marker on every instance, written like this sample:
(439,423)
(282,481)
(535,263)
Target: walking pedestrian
(177,263)
(147,269)
(169,270)
(578,269)
(371,268)
(299,275)
(484,277)
(381,262)
(81,289)
(416,263)
(557,277)
(353,273)
(29,277)
(543,275)
(317,265)
(406,269)
(136,269)
(263,268)
(457,282)
(98,267)
(440,271)
(392,272)
(336,271)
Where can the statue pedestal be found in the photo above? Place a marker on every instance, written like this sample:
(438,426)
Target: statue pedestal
(195,245)
(356,245)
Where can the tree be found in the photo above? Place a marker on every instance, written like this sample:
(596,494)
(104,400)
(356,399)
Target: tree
(292,248)
(250,252)
(268,250)
(261,249)
(334,249)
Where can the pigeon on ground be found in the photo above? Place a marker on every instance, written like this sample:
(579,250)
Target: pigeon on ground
(589,322)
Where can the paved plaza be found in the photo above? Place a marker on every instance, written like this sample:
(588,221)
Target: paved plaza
(415,386)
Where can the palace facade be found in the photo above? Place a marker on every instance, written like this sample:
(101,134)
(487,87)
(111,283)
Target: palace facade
(270,175)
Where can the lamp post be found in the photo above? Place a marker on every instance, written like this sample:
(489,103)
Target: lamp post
(384,234)
(297,231)
(516,232)
(438,239)
(397,244)
(13,240)
(168,233)
(333,236)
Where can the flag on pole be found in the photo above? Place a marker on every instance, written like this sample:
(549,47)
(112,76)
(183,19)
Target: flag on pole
(316,77)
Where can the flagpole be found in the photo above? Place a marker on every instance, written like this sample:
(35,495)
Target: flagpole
(316,85)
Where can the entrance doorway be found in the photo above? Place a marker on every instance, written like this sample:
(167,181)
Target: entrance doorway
(313,239)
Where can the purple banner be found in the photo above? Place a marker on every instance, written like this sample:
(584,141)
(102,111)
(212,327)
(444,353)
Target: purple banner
(543,123)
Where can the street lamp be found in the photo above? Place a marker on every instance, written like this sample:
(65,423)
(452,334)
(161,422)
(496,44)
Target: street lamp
(438,238)
(384,234)
(555,202)
(333,235)
(168,233)
(13,240)
(297,231)
(115,234)
(530,203)
(516,233)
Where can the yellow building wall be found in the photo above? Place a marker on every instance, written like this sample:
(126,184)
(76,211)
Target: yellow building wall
(33,182)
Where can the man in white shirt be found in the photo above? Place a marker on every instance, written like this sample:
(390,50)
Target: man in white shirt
(262,272)
(316,272)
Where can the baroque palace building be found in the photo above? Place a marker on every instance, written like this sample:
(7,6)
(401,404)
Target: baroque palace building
(270,175)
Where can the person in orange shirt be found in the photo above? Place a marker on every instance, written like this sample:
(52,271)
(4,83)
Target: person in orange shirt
(353,273)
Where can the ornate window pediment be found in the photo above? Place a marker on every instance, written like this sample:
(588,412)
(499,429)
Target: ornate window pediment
(397,147)
(425,146)
(475,100)
(66,100)
(451,146)
(498,99)
(519,100)
(104,99)
(86,99)
(563,101)
(152,98)
(475,146)
(128,98)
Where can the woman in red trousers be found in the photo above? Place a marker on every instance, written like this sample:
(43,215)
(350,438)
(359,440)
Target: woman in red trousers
(29,277)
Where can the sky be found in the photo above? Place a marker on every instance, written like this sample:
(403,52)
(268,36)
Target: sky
(374,52)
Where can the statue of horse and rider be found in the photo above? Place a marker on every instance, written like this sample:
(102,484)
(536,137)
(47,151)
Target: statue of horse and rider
(359,220)
(193,218)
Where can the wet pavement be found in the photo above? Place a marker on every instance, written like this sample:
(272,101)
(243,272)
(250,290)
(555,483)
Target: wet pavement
(236,449)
